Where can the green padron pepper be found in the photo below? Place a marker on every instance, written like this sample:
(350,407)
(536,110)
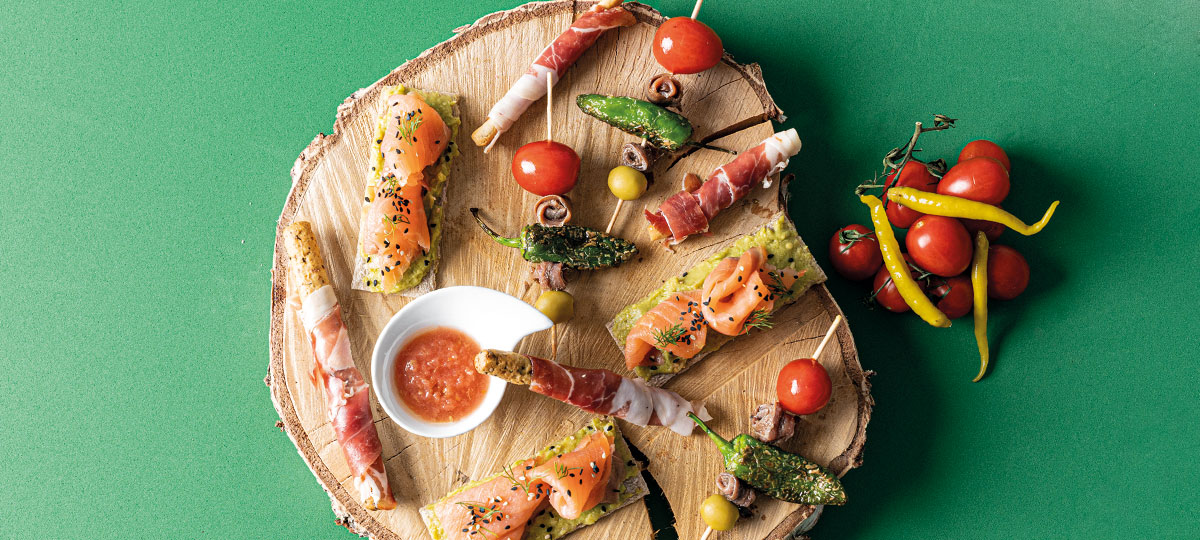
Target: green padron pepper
(783,475)
(575,247)
(662,128)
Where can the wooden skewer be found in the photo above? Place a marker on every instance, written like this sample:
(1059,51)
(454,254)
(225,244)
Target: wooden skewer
(554,342)
(613,219)
(707,531)
(696,10)
(549,108)
(828,334)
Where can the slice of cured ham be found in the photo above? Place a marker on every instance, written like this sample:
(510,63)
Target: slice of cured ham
(347,396)
(686,213)
(596,391)
(550,65)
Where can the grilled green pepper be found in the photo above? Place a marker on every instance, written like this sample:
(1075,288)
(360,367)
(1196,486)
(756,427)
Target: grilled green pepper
(573,246)
(662,128)
(785,476)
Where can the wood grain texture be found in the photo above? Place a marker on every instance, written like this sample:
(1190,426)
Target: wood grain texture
(328,180)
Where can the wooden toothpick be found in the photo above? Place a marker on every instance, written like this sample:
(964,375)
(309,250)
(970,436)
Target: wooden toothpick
(613,219)
(554,342)
(707,531)
(828,334)
(696,10)
(549,107)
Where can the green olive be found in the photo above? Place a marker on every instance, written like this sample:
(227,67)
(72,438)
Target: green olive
(626,182)
(718,513)
(557,305)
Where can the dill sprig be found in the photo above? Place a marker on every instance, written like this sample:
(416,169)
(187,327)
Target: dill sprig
(407,127)
(668,336)
(508,473)
(775,284)
(562,470)
(760,319)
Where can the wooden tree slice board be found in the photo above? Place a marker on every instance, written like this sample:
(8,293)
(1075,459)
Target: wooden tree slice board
(479,64)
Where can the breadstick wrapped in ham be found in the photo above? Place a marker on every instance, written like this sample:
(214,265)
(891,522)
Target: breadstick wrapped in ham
(554,61)
(689,212)
(596,391)
(347,396)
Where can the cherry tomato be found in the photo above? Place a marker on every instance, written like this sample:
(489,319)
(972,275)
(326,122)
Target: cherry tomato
(980,179)
(546,168)
(1007,273)
(683,45)
(803,386)
(940,245)
(885,293)
(916,176)
(954,296)
(984,148)
(990,228)
(854,254)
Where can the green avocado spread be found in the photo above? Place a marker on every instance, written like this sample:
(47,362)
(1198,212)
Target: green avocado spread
(547,524)
(438,173)
(784,249)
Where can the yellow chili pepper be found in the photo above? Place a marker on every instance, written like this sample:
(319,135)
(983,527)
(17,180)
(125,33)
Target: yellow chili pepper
(958,207)
(893,259)
(979,287)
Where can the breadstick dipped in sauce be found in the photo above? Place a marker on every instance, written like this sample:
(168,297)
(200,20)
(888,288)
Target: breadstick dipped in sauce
(347,395)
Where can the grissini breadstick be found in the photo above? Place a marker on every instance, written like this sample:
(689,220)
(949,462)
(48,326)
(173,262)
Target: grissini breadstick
(347,396)
(549,67)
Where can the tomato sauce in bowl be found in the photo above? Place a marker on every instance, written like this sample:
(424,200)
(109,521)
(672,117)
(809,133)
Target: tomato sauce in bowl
(435,375)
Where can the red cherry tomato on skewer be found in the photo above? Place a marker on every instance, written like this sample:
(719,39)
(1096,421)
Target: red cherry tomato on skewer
(546,168)
(916,176)
(985,148)
(683,45)
(1007,273)
(803,386)
(940,245)
(954,296)
(858,257)
(980,179)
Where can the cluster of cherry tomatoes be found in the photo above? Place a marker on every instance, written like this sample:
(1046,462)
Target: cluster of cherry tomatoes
(939,249)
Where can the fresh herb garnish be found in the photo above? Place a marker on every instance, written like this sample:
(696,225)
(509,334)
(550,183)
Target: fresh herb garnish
(508,473)
(668,336)
(775,284)
(562,470)
(407,127)
(759,318)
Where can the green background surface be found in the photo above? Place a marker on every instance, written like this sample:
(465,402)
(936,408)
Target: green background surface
(145,160)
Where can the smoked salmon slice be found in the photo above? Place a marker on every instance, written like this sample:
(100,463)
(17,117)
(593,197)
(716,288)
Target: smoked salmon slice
(741,286)
(578,480)
(395,223)
(675,326)
(414,138)
(500,508)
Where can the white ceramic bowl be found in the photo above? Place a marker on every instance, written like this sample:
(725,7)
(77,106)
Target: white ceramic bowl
(493,319)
